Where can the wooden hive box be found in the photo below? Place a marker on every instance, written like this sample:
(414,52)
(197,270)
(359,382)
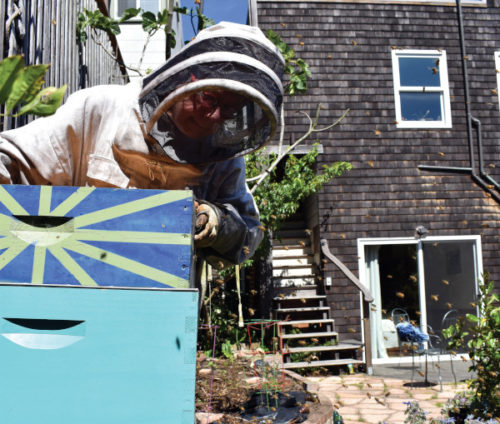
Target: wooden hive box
(97,315)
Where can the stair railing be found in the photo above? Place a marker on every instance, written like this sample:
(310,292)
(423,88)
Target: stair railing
(366,296)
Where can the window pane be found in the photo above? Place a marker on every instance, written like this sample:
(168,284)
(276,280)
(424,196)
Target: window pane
(449,279)
(419,71)
(150,5)
(421,106)
(125,4)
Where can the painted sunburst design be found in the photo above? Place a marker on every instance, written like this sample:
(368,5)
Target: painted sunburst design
(77,242)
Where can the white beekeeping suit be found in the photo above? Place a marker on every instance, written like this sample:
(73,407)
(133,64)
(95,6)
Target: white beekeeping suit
(130,136)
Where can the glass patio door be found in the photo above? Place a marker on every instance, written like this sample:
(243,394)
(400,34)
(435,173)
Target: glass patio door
(425,278)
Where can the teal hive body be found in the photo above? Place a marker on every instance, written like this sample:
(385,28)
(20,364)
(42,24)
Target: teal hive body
(97,320)
(128,358)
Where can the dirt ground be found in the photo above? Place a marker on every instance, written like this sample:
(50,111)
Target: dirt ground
(224,387)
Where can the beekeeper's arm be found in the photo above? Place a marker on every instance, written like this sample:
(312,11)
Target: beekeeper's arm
(233,230)
(46,150)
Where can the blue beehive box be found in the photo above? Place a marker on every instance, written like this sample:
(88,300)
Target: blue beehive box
(97,317)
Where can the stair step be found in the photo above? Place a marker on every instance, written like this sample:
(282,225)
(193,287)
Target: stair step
(326,363)
(307,321)
(295,297)
(309,335)
(280,251)
(292,241)
(339,347)
(291,263)
(293,272)
(305,309)
(293,224)
(296,292)
(293,260)
(297,233)
(294,281)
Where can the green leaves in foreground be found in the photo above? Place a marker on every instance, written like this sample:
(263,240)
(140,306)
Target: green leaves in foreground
(20,86)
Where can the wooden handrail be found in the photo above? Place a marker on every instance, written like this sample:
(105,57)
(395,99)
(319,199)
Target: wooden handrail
(326,251)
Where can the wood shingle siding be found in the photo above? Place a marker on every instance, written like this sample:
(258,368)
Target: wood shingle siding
(348,46)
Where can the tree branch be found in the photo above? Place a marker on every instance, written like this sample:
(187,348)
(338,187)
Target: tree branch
(312,129)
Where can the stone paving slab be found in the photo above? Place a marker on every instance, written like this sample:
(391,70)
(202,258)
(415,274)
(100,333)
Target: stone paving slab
(360,398)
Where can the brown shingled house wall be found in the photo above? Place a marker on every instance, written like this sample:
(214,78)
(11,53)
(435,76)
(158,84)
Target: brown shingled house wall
(348,46)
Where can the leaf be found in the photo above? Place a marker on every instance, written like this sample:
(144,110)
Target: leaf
(46,101)
(129,14)
(149,23)
(27,84)
(472,318)
(9,68)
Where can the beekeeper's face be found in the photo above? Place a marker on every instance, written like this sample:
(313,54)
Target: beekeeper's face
(200,114)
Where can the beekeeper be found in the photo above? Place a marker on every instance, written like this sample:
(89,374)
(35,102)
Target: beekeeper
(185,126)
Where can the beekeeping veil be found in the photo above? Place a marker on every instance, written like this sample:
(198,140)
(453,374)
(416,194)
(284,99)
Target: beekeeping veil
(223,58)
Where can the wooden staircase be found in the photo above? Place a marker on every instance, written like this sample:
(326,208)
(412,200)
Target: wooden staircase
(308,332)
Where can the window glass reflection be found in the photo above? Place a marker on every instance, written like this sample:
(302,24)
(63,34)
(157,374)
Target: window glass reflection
(419,71)
(421,106)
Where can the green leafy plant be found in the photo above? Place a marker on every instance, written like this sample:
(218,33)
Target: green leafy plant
(21,87)
(91,21)
(279,198)
(227,350)
(297,69)
(481,335)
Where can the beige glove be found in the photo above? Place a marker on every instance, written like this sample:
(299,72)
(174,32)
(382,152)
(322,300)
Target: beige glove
(206,226)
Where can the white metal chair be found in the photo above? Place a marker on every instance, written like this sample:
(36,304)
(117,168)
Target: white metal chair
(449,318)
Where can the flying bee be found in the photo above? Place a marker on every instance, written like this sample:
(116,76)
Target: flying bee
(389,276)
(421,373)
(449,305)
(246,250)
(251,311)
(315,340)
(302,243)
(302,342)
(418,313)
(413,278)
(253,292)
(446,282)
(303,300)
(435,297)
(400,295)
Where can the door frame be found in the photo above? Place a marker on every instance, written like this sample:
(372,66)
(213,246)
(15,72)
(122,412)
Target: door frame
(379,241)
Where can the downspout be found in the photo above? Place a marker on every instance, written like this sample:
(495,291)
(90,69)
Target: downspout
(253,19)
(477,178)
(477,123)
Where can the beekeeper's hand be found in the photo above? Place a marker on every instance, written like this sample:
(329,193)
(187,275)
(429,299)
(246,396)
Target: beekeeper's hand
(206,225)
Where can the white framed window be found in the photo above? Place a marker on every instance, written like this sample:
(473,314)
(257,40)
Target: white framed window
(497,70)
(421,91)
(119,6)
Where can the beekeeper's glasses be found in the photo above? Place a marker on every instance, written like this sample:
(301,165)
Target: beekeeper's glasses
(226,104)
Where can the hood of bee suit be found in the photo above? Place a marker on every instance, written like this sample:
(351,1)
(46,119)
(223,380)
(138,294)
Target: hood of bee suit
(225,58)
